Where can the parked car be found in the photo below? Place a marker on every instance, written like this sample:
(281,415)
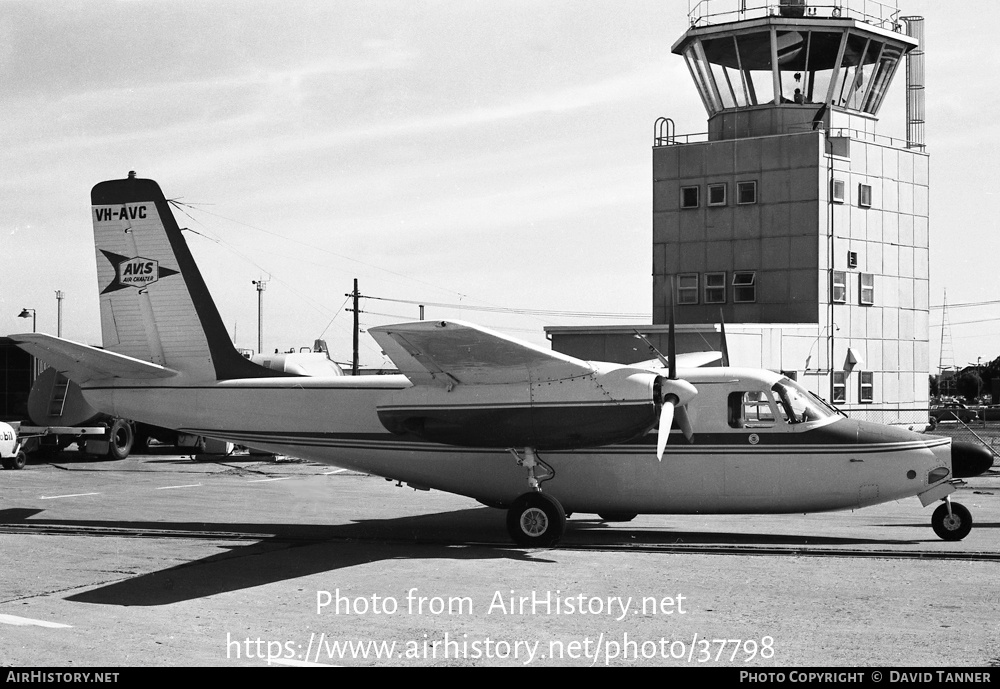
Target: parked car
(952,411)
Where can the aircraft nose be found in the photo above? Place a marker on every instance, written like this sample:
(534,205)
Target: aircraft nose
(969,459)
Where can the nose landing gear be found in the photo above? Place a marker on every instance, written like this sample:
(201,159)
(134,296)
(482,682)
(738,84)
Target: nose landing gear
(951,521)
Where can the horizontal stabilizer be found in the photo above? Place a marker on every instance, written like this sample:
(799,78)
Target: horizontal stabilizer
(448,353)
(82,363)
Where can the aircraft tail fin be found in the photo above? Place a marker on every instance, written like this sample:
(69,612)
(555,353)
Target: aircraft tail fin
(155,305)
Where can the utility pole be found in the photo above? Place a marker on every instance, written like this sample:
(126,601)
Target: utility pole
(357,327)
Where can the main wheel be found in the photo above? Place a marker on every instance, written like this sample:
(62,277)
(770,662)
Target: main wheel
(536,520)
(954,526)
(120,437)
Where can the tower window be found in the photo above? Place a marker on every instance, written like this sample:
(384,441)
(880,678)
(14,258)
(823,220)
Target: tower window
(687,288)
(865,195)
(866,387)
(867,291)
(839,387)
(716,194)
(838,191)
(746,193)
(744,288)
(715,288)
(838,286)
(689,197)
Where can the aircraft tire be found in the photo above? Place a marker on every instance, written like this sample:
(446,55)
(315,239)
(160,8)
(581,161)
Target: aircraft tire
(617,516)
(952,527)
(536,520)
(121,435)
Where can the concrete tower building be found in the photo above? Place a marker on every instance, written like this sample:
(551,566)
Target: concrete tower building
(793,217)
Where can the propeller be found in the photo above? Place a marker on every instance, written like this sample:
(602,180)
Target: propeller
(674,396)
(674,392)
(666,421)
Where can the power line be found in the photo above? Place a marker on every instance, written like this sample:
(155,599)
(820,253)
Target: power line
(518,311)
(968,304)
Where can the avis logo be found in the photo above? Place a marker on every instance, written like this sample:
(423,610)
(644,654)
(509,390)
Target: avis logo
(134,272)
(138,271)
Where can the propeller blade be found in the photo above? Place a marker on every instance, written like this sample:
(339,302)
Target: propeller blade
(666,421)
(671,338)
(684,421)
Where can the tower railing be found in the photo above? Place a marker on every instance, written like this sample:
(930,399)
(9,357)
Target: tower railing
(710,12)
(664,134)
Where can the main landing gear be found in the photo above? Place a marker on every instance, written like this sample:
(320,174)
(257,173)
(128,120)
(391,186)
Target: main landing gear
(951,521)
(535,519)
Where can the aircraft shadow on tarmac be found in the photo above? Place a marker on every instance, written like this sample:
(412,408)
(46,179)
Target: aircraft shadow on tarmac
(279,552)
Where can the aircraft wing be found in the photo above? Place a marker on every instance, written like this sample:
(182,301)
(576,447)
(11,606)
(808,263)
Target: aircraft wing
(81,363)
(449,353)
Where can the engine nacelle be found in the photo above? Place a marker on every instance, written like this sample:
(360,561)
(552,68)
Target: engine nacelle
(609,405)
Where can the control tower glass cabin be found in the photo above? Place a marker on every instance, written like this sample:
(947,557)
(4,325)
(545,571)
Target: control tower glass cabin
(766,68)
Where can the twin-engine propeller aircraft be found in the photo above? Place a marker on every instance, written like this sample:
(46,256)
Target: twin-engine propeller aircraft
(484,415)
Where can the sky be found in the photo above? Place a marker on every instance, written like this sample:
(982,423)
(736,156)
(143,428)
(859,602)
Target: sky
(491,160)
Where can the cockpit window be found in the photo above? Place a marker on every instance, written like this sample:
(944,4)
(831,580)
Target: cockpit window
(796,404)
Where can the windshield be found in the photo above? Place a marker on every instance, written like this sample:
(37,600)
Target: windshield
(797,404)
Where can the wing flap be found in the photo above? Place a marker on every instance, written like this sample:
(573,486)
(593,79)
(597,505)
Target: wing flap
(449,353)
(82,363)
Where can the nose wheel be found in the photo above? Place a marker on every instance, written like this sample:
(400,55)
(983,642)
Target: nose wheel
(952,521)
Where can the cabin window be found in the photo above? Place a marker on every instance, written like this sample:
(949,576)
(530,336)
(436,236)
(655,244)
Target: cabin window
(687,288)
(750,410)
(689,197)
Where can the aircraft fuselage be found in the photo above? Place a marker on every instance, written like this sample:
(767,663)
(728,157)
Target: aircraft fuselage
(764,464)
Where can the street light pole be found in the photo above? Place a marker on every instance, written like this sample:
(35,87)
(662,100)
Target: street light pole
(24,314)
(59,298)
(261,286)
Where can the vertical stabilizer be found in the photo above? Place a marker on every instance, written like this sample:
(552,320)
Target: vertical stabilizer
(154,302)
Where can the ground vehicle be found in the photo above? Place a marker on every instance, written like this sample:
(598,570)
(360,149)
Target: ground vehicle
(47,412)
(11,454)
(952,411)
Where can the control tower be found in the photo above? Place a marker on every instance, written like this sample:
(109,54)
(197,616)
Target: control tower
(793,216)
